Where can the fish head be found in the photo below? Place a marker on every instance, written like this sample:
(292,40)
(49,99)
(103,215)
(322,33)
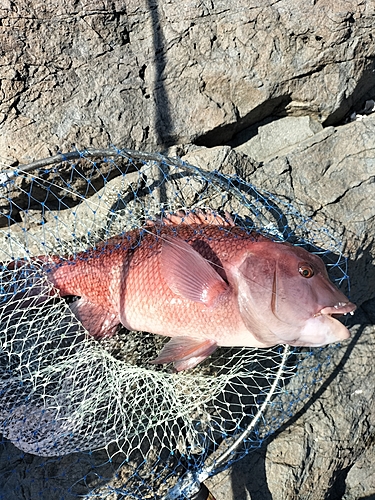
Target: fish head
(285,296)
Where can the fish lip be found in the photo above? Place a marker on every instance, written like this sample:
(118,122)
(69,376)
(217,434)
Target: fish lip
(339,309)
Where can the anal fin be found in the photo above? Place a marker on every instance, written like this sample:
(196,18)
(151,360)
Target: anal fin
(185,352)
(98,321)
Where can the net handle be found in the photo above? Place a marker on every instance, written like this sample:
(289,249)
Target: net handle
(190,484)
(210,470)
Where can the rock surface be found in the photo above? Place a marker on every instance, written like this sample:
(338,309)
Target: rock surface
(147,73)
(279,136)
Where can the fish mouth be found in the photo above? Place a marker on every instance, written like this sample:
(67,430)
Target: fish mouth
(339,309)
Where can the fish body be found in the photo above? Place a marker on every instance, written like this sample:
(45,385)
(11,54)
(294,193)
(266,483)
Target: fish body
(129,284)
(205,283)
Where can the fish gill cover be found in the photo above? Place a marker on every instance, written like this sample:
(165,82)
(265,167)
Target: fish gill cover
(93,418)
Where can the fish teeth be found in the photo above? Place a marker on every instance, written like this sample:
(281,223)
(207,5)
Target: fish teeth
(350,312)
(340,304)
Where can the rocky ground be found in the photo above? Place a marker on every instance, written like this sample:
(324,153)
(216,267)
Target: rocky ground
(280,93)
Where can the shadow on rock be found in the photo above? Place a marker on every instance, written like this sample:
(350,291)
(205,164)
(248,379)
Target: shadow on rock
(363,90)
(163,121)
(361,270)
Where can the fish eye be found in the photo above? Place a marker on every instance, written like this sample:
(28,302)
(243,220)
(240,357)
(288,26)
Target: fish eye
(306,271)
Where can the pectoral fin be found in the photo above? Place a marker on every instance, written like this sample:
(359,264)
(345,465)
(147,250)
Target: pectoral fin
(185,352)
(188,274)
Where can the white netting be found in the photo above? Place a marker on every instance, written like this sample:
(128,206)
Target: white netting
(133,427)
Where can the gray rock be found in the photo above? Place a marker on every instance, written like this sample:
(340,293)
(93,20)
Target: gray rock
(360,481)
(151,74)
(279,137)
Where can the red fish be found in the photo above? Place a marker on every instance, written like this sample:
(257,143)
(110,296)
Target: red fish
(204,282)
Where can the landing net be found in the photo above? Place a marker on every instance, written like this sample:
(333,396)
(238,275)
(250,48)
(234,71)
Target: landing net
(93,419)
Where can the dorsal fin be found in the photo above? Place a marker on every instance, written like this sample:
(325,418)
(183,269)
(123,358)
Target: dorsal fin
(198,216)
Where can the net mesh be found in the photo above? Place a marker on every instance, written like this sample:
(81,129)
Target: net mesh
(93,418)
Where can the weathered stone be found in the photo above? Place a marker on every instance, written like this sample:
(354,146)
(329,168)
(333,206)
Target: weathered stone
(279,137)
(360,481)
(221,158)
(146,74)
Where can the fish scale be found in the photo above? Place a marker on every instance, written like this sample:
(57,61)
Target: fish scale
(123,274)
